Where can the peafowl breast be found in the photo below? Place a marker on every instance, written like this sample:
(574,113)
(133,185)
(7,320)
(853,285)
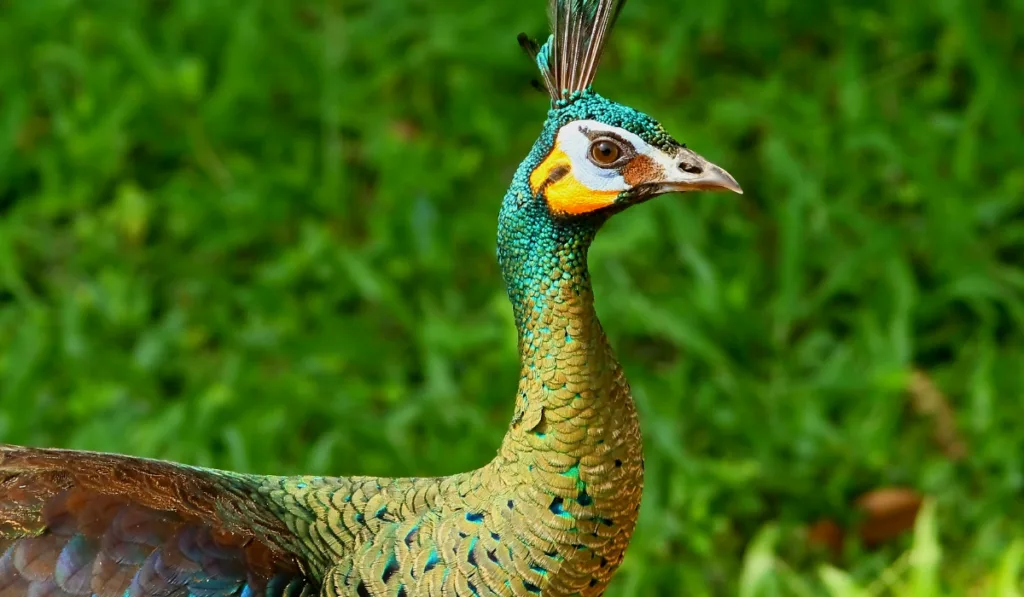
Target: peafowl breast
(551,514)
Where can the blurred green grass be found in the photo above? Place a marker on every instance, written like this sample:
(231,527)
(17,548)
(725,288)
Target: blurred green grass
(260,235)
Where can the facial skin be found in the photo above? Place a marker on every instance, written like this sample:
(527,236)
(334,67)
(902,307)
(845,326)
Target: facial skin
(593,166)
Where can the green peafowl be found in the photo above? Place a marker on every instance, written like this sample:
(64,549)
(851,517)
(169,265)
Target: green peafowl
(551,514)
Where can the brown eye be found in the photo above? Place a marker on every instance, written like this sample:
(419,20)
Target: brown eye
(604,152)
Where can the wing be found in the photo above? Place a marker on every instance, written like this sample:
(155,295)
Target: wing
(84,524)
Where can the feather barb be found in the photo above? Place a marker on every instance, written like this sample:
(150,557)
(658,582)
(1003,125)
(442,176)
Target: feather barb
(579,29)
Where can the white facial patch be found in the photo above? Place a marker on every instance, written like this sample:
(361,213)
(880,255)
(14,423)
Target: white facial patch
(575,143)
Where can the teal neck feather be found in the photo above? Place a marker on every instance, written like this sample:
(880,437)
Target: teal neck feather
(573,456)
(571,382)
(543,259)
(539,253)
(532,243)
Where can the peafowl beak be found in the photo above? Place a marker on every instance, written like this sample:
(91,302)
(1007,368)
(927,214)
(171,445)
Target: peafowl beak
(688,171)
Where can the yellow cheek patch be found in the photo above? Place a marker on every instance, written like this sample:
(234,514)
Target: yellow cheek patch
(568,195)
(563,191)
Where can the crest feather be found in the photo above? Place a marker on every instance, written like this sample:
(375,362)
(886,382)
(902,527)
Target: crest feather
(569,59)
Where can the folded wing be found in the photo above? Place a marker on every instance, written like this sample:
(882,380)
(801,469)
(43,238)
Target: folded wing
(79,524)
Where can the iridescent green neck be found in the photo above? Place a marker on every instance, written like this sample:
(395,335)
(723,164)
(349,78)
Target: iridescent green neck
(543,262)
(535,247)
(569,472)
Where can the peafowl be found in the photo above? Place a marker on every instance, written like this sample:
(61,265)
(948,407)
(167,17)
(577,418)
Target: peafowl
(551,514)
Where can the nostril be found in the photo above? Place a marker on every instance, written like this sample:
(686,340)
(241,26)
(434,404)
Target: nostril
(690,168)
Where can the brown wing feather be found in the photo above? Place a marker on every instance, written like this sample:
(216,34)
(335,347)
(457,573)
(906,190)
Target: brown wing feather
(86,523)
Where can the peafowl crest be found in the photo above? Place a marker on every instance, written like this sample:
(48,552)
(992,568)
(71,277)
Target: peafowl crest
(550,515)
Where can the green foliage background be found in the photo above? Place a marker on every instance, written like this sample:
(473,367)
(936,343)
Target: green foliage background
(259,235)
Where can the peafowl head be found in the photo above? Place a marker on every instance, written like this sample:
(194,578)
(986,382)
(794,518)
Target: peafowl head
(595,156)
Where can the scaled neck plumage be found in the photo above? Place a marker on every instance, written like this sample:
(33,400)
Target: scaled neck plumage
(573,452)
